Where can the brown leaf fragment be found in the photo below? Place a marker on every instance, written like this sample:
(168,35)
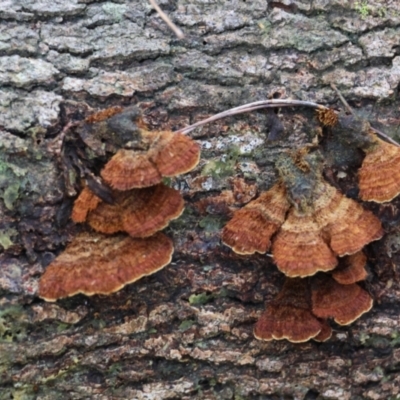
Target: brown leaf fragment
(289,315)
(327,117)
(379,175)
(251,227)
(351,269)
(139,212)
(97,264)
(344,303)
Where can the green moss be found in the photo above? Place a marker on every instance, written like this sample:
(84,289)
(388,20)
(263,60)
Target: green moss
(22,393)
(225,166)
(186,324)
(202,298)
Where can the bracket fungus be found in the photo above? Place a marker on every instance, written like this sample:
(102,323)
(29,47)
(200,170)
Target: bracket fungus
(138,204)
(379,175)
(289,315)
(309,221)
(343,303)
(312,237)
(351,269)
(97,264)
(251,227)
(169,154)
(139,212)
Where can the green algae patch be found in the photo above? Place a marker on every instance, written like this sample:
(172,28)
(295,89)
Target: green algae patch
(13,324)
(12,181)
(212,223)
(201,298)
(6,236)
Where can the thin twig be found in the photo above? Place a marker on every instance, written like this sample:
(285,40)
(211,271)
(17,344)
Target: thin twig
(386,137)
(342,99)
(350,110)
(167,20)
(272,103)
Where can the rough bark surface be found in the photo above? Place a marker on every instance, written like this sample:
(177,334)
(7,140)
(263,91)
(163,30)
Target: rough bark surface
(185,332)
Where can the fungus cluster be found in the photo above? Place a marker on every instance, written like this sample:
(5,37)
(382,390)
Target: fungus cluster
(124,243)
(316,236)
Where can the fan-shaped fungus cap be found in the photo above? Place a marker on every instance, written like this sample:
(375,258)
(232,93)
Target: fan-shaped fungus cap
(169,154)
(346,223)
(289,315)
(351,269)
(99,264)
(379,175)
(344,303)
(299,248)
(130,169)
(321,224)
(84,203)
(139,212)
(325,334)
(251,227)
(174,153)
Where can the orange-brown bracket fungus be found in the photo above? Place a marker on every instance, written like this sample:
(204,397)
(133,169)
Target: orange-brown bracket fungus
(139,212)
(84,203)
(289,315)
(97,264)
(351,269)
(251,227)
(321,224)
(343,303)
(299,248)
(379,175)
(169,154)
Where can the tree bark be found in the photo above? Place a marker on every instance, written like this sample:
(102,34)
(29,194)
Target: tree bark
(186,331)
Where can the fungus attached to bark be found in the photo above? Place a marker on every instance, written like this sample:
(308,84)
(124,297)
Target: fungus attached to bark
(379,175)
(251,227)
(299,249)
(289,315)
(169,154)
(98,264)
(325,333)
(343,303)
(84,203)
(139,212)
(351,269)
(322,224)
(130,169)
(345,223)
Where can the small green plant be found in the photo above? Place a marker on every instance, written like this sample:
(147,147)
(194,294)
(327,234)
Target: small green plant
(363,8)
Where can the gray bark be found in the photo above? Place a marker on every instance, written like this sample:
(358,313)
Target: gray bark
(185,332)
